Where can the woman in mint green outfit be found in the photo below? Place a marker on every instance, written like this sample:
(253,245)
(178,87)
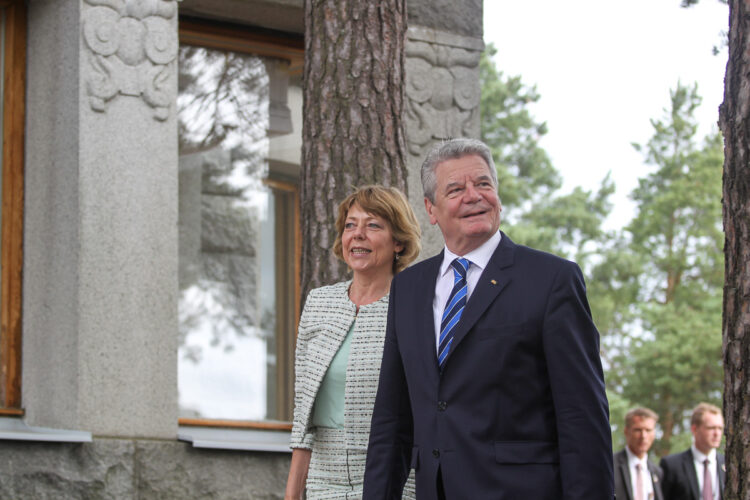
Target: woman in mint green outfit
(340,346)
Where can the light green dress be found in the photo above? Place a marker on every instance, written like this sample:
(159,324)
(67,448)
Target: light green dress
(330,320)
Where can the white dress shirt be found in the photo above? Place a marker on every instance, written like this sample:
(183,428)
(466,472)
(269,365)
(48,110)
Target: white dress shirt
(479,257)
(698,459)
(648,487)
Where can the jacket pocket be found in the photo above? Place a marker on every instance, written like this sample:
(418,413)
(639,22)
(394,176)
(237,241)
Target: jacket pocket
(526,452)
(415,458)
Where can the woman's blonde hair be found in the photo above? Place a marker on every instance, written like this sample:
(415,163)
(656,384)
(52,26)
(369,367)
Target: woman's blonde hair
(390,204)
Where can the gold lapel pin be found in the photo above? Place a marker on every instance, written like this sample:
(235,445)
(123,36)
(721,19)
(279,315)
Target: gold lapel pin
(493,282)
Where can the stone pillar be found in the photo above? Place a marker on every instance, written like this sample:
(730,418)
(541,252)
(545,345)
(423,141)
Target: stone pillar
(442,101)
(100,246)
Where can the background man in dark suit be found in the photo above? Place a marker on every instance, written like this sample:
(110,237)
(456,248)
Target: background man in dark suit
(491,385)
(698,472)
(636,477)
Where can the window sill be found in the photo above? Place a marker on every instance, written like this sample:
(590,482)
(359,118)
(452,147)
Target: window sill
(17,430)
(235,439)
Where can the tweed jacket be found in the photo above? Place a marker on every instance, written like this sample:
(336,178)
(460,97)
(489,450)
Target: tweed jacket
(327,317)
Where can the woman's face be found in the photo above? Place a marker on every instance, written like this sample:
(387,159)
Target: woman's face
(367,243)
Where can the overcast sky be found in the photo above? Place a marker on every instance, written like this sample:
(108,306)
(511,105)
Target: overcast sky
(603,69)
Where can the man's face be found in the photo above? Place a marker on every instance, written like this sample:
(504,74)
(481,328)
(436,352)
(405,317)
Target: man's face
(639,435)
(466,205)
(708,434)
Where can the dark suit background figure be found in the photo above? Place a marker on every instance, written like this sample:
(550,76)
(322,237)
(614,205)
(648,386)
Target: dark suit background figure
(518,409)
(639,432)
(681,480)
(623,482)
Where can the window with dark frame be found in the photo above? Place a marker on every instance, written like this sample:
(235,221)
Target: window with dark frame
(239,225)
(13,66)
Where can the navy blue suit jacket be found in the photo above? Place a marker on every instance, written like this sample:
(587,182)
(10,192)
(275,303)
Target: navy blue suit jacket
(519,409)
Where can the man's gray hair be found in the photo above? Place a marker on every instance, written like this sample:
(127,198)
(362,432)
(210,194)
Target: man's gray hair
(453,149)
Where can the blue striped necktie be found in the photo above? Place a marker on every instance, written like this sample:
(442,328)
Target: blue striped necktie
(454,307)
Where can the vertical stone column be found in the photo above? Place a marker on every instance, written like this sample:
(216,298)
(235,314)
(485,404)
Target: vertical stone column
(442,101)
(100,270)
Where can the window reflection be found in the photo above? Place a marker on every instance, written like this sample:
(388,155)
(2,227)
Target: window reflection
(229,233)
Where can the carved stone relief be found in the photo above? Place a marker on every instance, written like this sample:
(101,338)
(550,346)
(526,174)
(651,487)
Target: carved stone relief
(443,93)
(133,47)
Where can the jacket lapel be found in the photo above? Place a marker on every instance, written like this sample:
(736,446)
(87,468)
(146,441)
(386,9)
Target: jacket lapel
(622,460)
(426,318)
(654,472)
(722,472)
(331,339)
(688,467)
(490,284)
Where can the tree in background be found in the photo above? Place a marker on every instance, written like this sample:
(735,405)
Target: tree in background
(525,172)
(533,212)
(536,214)
(352,132)
(653,286)
(734,117)
(672,357)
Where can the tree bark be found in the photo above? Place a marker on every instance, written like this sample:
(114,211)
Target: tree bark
(734,116)
(352,130)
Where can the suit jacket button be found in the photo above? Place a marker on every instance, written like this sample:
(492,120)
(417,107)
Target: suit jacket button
(442,405)
(436,453)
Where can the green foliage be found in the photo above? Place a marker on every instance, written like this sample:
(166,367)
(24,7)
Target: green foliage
(618,407)
(671,360)
(655,286)
(566,224)
(532,211)
(524,169)
(678,224)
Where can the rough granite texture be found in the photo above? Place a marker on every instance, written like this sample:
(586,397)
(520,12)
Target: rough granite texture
(459,17)
(120,469)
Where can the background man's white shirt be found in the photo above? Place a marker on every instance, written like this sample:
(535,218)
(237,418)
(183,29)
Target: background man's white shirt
(648,487)
(698,459)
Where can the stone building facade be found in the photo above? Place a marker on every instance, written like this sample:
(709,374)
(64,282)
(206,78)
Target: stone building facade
(156,284)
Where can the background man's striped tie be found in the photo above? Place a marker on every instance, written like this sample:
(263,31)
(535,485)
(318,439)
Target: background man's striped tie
(454,307)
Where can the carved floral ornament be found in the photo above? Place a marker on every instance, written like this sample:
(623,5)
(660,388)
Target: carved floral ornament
(443,93)
(133,46)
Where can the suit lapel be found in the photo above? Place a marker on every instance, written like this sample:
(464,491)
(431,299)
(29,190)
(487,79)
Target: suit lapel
(654,473)
(490,284)
(688,466)
(720,466)
(622,459)
(423,308)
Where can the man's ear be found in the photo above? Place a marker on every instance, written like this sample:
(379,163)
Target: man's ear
(429,207)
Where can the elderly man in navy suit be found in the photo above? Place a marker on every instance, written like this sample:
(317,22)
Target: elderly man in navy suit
(491,385)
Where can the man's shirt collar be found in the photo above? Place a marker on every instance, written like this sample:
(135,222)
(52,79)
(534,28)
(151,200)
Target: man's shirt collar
(700,457)
(479,257)
(632,459)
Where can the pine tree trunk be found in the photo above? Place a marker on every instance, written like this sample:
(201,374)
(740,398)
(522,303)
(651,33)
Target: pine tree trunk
(352,130)
(734,117)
